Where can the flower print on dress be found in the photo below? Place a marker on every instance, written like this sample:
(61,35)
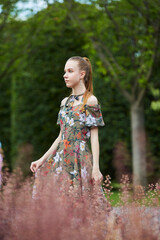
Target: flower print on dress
(63,113)
(57,158)
(61,151)
(90,120)
(84,173)
(82,118)
(88,134)
(59,170)
(50,161)
(73,157)
(71,122)
(71,153)
(67,119)
(77,148)
(93,116)
(73,172)
(82,145)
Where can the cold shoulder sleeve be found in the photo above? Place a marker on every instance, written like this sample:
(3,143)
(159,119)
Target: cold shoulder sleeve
(93,115)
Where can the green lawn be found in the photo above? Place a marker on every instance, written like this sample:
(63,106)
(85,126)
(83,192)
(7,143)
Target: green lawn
(150,199)
(114,198)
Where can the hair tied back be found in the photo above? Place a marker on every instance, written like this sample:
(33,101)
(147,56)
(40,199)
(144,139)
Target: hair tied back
(86,59)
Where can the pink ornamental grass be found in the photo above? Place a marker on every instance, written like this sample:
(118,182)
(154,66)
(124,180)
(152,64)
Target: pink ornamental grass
(1,162)
(59,212)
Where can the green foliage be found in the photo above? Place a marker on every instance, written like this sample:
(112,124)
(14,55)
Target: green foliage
(43,43)
(32,86)
(155,105)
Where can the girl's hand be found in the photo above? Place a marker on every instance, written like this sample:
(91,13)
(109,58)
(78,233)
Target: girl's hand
(35,165)
(96,174)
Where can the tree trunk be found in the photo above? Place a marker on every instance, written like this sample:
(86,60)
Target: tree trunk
(138,145)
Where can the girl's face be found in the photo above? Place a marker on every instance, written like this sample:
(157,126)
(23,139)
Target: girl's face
(72,74)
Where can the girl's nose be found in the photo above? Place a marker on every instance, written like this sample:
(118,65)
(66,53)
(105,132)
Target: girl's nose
(65,75)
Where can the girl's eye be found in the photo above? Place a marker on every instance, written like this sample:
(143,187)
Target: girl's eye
(68,71)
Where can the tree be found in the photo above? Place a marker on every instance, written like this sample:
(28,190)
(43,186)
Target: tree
(8,57)
(126,37)
(38,80)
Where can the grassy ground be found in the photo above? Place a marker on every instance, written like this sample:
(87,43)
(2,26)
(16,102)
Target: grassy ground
(115,198)
(143,198)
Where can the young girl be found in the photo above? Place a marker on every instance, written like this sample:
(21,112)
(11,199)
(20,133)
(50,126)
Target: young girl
(79,117)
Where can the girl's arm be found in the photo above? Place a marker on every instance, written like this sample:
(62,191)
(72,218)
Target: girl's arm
(55,144)
(95,147)
(36,164)
(96,174)
(51,149)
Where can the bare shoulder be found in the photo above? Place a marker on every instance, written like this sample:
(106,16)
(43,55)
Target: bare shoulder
(64,101)
(92,100)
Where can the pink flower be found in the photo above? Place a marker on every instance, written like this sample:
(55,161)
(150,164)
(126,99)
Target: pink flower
(77,148)
(71,153)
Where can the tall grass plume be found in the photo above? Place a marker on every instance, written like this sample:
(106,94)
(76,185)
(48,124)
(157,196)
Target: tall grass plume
(58,211)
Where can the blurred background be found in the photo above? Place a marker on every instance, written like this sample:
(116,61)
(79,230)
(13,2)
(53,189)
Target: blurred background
(122,40)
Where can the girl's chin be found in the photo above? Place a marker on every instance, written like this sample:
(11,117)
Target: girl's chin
(68,85)
(71,85)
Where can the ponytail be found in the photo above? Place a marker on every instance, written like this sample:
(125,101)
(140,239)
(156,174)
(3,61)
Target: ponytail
(88,76)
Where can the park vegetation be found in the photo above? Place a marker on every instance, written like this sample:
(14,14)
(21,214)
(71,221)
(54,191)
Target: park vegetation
(121,38)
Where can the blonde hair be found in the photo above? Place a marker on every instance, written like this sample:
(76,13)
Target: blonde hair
(84,64)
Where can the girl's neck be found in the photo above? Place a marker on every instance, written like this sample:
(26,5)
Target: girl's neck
(78,91)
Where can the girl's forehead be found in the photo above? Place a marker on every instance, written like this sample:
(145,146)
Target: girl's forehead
(71,64)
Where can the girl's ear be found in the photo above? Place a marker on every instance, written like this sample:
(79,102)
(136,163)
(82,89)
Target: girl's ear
(82,74)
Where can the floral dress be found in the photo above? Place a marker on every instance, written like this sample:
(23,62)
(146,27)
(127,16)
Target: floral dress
(72,158)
